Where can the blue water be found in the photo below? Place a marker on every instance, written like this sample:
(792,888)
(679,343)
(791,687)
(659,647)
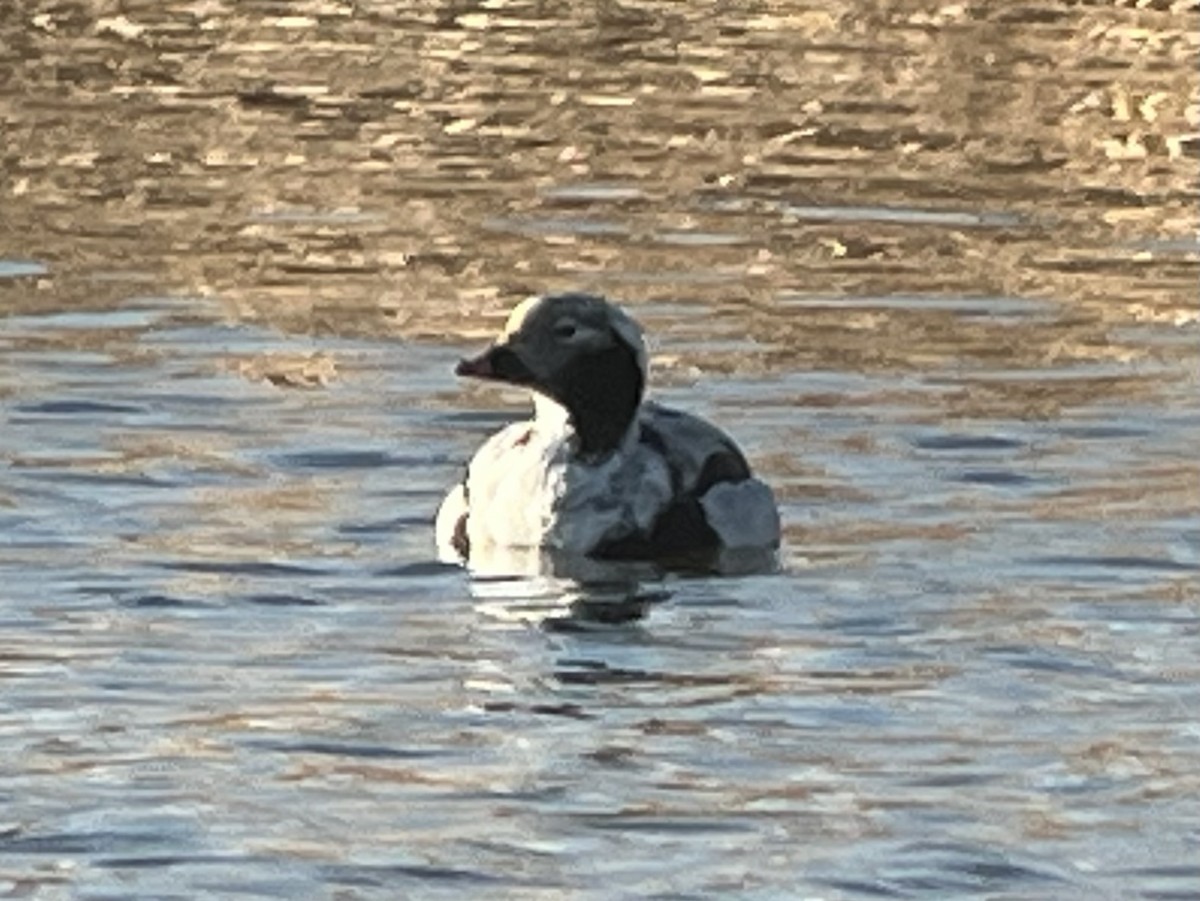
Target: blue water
(232,666)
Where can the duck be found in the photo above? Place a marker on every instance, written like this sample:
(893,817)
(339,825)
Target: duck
(599,472)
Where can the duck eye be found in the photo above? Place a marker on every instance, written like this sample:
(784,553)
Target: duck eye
(565,330)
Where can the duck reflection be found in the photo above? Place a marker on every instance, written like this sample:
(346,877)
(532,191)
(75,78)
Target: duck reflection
(573,591)
(564,591)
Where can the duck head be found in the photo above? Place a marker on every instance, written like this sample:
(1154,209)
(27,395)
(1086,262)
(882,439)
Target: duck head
(578,350)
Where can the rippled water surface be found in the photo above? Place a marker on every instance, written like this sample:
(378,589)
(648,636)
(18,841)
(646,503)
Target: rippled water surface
(936,267)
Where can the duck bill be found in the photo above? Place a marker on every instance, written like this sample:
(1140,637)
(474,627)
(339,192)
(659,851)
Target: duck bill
(496,364)
(479,367)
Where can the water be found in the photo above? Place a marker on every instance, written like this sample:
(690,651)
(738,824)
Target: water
(937,271)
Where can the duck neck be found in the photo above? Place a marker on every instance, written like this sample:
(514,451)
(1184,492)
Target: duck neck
(602,399)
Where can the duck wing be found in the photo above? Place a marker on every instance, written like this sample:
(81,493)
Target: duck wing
(715,500)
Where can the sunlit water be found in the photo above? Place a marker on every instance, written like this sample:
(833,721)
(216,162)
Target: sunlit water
(230,664)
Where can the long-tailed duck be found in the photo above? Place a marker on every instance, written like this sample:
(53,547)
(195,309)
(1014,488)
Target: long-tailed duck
(597,471)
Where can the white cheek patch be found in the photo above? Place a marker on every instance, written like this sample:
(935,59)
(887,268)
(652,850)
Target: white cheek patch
(518,316)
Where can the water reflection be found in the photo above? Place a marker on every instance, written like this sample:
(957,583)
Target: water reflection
(560,601)
(936,268)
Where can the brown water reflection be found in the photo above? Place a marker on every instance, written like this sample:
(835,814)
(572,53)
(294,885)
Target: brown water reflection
(369,169)
(936,266)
